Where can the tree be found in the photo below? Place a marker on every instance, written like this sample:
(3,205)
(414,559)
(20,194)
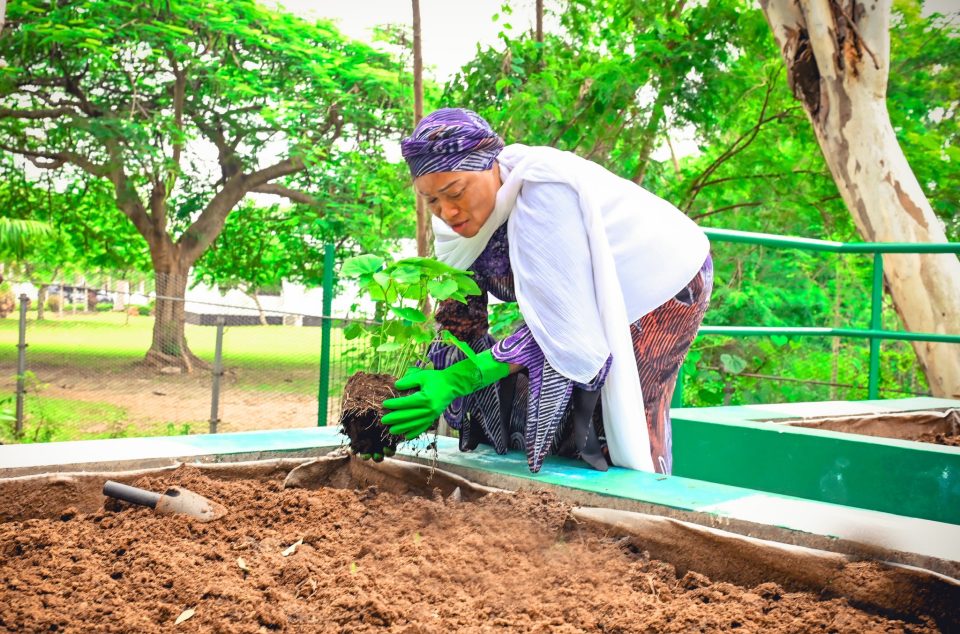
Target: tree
(424,229)
(757,167)
(140,94)
(86,232)
(613,81)
(365,209)
(837,56)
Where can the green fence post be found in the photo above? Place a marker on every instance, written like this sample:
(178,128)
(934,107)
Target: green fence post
(325,336)
(873,386)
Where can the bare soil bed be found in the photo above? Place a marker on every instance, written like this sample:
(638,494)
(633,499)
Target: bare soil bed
(941,427)
(371,560)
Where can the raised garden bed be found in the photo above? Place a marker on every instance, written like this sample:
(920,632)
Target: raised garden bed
(399,547)
(941,427)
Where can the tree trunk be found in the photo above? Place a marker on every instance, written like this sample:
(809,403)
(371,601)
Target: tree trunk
(424,230)
(169,345)
(650,133)
(539,21)
(262,317)
(838,59)
(41,301)
(123,295)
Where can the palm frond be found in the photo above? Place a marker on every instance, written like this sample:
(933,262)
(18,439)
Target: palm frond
(17,235)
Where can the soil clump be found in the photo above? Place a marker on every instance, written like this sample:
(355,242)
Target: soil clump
(362,410)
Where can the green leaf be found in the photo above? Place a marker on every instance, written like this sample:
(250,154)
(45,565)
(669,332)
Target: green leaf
(448,337)
(390,346)
(411,314)
(779,340)
(413,291)
(442,289)
(732,363)
(432,264)
(361,264)
(468,286)
(352,331)
(405,274)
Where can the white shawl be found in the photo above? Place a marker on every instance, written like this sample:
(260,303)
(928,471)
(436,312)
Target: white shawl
(656,250)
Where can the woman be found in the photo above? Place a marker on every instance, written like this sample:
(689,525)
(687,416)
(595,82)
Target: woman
(612,283)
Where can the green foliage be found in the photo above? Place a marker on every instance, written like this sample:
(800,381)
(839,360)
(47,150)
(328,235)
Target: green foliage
(145,93)
(8,417)
(922,97)
(16,236)
(504,318)
(621,77)
(38,425)
(367,207)
(399,338)
(173,429)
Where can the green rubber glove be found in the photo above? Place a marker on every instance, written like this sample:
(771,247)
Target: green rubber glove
(413,414)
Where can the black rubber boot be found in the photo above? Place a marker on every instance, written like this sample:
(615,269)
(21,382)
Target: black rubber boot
(508,389)
(584,433)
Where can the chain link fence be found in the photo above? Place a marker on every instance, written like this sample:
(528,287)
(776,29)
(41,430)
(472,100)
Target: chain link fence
(79,372)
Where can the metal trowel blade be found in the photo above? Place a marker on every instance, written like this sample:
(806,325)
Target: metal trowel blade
(180,500)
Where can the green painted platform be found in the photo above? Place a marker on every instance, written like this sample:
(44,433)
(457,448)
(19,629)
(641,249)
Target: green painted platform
(727,445)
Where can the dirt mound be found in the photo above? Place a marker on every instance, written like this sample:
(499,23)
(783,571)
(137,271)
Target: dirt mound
(366,560)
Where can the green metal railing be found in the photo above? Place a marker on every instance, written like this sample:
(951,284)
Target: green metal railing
(324,390)
(874,333)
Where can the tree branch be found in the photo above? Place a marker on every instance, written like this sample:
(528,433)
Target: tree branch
(283,168)
(737,146)
(717,181)
(727,208)
(291,194)
(132,207)
(58,159)
(72,86)
(179,98)
(208,226)
(44,113)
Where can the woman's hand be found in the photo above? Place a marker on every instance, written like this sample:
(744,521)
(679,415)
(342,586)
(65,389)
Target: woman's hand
(413,414)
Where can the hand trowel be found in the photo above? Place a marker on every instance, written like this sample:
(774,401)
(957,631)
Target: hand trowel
(173,500)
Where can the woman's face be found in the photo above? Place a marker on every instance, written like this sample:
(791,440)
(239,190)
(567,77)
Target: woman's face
(463,200)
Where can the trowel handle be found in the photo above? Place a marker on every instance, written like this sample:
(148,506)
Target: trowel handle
(130,494)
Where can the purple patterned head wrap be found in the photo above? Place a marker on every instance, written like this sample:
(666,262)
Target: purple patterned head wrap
(451,140)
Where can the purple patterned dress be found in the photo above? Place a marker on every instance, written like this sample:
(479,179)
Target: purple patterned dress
(531,411)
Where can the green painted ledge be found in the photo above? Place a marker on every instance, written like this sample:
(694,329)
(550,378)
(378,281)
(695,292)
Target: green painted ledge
(727,445)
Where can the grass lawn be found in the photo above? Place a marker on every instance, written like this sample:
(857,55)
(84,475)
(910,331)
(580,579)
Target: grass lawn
(84,380)
(110,342)
(110,335)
